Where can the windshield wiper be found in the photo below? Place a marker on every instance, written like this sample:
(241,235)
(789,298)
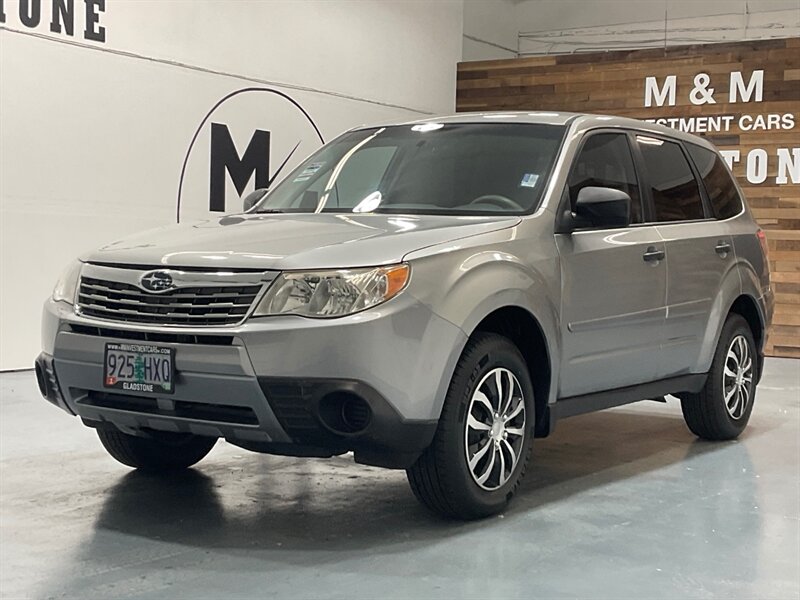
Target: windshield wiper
(261,211)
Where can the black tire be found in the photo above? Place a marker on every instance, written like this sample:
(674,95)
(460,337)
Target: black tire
(159,451)
(441,478)
(707,413)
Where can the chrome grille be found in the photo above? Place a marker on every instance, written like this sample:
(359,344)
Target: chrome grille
(199,300)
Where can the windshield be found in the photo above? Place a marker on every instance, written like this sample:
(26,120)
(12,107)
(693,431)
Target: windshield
(430,168)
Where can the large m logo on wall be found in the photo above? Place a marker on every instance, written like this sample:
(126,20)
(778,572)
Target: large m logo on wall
(225,158)
(277,125)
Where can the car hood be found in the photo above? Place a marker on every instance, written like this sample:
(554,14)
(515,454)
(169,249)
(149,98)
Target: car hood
(293,241)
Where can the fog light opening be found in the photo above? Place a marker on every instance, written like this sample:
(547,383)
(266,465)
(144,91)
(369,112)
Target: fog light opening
(344,413)
(355,414)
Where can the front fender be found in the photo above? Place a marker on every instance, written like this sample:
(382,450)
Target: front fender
(463,285)
(543,312)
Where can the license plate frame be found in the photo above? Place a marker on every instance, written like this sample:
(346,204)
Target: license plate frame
(140,359)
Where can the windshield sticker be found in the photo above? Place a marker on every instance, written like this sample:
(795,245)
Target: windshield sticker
(529,180)
(308,172)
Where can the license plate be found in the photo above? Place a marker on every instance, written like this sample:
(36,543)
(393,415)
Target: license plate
(139,368)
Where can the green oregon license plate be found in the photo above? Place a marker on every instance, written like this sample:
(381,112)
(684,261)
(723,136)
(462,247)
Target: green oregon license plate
(139,368)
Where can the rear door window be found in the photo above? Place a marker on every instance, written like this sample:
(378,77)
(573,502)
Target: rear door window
(674,188)
(720,187)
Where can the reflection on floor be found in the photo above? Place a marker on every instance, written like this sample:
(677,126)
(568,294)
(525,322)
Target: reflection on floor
(619,504)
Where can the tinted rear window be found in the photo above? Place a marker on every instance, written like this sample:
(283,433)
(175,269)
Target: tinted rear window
(719,183)
(676,194)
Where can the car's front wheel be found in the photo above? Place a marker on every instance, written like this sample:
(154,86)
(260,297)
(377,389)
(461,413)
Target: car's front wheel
(483,442)
(159,451)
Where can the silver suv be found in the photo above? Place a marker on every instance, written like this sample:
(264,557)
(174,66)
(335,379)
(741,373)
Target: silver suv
(430,296)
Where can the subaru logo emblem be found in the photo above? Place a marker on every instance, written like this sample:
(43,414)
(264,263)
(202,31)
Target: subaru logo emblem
(156,281)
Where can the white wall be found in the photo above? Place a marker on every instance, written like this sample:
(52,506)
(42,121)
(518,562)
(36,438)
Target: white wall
(490,29)
(531,27)
(93,134)
(580,26)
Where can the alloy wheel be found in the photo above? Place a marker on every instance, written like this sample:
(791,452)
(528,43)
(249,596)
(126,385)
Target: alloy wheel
(737,377)
(495,429)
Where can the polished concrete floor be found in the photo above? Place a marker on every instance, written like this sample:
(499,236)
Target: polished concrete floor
(619,504)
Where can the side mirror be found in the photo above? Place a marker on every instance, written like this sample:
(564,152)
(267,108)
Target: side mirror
(253,198)
(603,207)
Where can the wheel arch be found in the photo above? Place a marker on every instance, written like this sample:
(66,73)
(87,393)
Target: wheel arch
(747,307)
(521,327)
(732,289)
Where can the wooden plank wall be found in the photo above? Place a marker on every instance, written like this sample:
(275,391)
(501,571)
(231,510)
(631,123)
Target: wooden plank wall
(614,83)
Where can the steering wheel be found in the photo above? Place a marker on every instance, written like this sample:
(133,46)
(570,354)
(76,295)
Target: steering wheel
(497,200)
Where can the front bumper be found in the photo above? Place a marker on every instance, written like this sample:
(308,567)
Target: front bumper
(277,384)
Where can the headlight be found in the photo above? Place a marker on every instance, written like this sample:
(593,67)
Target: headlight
(67,284)
(332,293)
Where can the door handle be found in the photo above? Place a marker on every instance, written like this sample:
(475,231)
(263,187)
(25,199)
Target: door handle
(653,254)
(722,248)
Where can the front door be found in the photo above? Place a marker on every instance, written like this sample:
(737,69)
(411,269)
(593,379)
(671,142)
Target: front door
(613,282)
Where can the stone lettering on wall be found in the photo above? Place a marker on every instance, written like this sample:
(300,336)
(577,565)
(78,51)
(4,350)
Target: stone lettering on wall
(59,16)
(741,89)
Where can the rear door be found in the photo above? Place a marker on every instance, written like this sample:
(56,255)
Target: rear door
(699,248)
(613,281)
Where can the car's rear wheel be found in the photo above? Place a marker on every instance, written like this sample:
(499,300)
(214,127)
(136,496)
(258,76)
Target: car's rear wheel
(483,442)
(721,410)
(158,451)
